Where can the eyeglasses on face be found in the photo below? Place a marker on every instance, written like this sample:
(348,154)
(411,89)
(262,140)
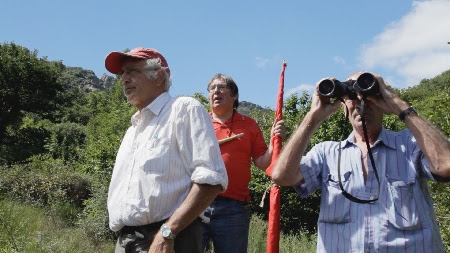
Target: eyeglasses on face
(220,86)
(130,70)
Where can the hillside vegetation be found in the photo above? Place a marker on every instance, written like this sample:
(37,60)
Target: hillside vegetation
(59,140)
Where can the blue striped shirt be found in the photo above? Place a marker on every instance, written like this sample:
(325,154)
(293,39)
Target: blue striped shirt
(401,220)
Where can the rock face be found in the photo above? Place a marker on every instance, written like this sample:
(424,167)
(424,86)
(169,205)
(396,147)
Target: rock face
(86,80)
(106,81)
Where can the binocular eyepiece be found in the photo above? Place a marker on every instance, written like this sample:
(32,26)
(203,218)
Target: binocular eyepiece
(366,84)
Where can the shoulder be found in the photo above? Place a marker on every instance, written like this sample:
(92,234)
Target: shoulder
(187,101)
(393,139)
(187,104)
(188,107)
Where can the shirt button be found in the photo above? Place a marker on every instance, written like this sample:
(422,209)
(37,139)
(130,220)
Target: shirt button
(371,198)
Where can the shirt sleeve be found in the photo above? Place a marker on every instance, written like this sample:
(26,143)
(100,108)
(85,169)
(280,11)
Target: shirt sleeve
(204,159)
(421,163)
(310,167)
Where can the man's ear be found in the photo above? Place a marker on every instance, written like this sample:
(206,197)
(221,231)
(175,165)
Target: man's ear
(160,75)
(344,108)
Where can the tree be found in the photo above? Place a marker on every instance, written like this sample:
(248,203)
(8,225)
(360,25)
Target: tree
(28,88)
(27,84)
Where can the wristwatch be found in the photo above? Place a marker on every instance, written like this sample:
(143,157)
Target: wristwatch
(167,233)
(406,112)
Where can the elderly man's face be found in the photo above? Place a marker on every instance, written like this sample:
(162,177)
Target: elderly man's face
(139,89)
(372,114)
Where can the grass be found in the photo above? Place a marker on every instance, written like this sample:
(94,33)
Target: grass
(26,228)
(257,239)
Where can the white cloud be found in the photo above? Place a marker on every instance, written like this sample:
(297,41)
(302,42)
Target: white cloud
(299,89)
(414,47)
(339,60)
(261,62)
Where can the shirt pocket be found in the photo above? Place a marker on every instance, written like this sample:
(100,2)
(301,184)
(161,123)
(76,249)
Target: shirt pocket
(403,212)
(335,207)
(157,153)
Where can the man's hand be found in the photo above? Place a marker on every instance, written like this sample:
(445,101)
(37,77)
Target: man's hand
(387,100)
(162,245)
(278,129)
(323,107)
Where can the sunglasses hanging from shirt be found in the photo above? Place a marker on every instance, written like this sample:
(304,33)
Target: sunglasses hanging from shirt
(369,150)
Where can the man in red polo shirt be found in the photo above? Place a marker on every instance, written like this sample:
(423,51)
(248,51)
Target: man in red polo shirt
(226,221)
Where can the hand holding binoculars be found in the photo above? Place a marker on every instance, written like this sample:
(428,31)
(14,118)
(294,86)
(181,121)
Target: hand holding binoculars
(366,84)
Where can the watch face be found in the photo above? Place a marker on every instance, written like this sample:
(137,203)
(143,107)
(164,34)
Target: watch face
(167,233)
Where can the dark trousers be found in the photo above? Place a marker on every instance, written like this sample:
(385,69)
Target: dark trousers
(138,239)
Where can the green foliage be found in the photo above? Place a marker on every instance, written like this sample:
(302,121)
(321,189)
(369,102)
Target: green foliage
(47,183)
(105,131)
(65,140)
(202,99)
(25,139)
(441,202)
(25,228)
(27,84)
(94,217)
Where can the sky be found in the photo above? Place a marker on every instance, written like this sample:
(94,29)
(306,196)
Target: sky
(403,41)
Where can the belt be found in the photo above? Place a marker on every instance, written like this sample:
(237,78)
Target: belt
(144,229)
(222,198)
(219,197)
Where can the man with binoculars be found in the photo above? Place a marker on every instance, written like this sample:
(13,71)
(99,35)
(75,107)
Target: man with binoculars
(374,195)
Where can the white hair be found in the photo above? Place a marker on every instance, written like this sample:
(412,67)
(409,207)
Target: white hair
(152,66)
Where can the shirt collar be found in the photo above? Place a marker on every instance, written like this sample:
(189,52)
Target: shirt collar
(154,107)
(236,115)
(382,139)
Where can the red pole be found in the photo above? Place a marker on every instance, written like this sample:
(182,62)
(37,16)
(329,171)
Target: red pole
(273,229)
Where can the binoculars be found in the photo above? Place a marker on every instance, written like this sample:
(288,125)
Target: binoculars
(366,84)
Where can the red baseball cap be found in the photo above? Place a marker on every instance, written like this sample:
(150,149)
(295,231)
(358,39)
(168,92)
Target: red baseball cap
(114,60)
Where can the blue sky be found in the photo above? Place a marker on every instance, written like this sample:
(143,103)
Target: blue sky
(403,41)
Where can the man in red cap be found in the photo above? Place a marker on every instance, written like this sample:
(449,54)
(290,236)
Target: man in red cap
(168,168)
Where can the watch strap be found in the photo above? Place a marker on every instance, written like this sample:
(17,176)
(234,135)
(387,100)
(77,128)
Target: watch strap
(405,112)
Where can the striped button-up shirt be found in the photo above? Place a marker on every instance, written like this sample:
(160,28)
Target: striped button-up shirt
(401,220)
(171,145)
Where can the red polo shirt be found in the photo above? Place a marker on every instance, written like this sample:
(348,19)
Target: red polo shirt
(237,153)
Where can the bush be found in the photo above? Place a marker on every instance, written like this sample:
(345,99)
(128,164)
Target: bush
(94,217)
(46,182)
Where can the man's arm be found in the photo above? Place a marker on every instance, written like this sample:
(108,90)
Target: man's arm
(431,141)
(286,171)
(198,199)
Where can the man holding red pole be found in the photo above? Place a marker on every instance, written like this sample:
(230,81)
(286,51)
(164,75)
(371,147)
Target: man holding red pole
(226,221)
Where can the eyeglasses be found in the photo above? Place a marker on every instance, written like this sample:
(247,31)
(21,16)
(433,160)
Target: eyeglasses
(130,70)
(220,86)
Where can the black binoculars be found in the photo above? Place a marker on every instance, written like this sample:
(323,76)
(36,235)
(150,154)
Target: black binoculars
(366,84)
